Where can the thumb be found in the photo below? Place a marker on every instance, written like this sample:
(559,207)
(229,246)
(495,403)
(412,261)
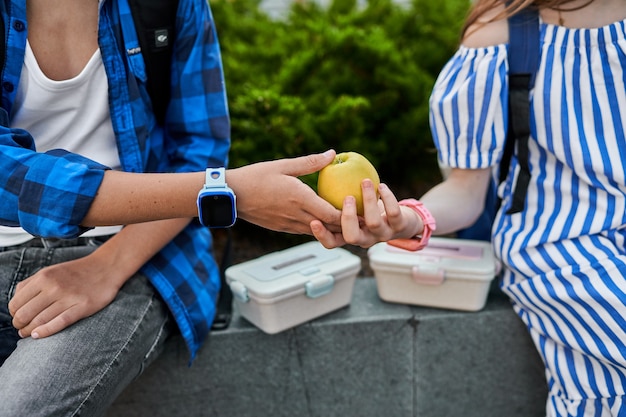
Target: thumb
(308,164)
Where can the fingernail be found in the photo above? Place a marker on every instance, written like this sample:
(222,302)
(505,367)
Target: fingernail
(19,332)
(382,186)
(34,335)
(329,152)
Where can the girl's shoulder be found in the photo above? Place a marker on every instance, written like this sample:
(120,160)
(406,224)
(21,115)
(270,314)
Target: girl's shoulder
(490,30)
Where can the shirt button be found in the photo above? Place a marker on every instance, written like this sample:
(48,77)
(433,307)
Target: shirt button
(18,25)
(8,87)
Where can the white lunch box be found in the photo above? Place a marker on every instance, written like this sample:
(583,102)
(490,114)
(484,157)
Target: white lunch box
(448,273)
(283,289)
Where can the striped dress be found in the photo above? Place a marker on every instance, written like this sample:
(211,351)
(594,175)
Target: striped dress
(566,251)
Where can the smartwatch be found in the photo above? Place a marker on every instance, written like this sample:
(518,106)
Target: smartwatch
(216,201)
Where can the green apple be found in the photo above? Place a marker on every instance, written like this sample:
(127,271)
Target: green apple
(343,177)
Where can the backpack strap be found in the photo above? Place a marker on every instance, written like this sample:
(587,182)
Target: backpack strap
(523,59)
(155,23)
(523,56)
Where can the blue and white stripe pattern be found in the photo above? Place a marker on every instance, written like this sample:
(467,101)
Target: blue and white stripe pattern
(566,251)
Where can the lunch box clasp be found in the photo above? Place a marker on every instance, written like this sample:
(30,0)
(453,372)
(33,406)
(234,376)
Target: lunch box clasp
(319,286)
(427,275)
(240,292)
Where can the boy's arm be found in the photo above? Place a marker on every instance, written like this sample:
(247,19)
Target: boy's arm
(269,194)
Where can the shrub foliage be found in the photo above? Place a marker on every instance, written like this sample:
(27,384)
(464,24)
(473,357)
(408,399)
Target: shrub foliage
(353,77)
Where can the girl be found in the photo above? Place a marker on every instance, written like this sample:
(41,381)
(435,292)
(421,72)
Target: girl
(564,253)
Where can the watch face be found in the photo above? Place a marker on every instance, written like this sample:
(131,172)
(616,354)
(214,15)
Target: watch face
(217,210)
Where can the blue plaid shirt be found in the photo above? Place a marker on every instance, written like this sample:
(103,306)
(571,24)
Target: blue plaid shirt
(48,194)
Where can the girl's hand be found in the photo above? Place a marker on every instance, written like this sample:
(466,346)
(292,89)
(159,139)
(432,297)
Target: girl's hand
(383,220)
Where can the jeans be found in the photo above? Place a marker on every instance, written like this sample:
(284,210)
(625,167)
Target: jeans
(82,369)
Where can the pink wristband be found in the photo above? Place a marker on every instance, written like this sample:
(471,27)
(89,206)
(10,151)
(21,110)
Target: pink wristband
(418,242)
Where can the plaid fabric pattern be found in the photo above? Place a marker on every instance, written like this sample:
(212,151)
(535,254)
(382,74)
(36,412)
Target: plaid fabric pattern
(48,194)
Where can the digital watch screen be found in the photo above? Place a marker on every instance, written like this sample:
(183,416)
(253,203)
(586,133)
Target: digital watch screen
(217,210)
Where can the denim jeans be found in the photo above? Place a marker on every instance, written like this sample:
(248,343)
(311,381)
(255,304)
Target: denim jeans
(82,369)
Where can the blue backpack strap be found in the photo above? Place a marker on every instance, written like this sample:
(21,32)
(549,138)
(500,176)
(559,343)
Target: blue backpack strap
(523,56)
(523,53)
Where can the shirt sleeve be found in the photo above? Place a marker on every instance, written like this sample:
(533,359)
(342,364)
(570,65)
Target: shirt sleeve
(468,108)
(198,122)
(47,194)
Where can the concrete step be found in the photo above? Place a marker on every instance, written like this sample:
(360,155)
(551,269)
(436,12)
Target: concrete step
(369,359)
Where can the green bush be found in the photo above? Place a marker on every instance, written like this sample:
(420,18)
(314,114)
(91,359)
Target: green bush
(348,77)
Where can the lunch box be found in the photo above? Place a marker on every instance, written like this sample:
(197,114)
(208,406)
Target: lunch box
(448,273)
(283,289)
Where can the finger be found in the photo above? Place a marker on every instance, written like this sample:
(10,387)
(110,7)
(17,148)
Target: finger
(350,226)
(328,239)
(25,314)
(369,192)
(307,164)
(392,208)
(23,293)
(58,321)
(322,210)
(334,228)
(314,207)
(371,210)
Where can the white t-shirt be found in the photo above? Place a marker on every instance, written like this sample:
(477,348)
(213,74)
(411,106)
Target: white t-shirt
(70,114)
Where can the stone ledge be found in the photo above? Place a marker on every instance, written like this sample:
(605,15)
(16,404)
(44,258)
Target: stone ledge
(371,358)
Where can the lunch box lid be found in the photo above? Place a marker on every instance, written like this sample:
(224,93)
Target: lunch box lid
(456,258)
(307,268)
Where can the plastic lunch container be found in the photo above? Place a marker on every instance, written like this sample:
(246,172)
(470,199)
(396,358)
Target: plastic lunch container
(448,273)
(283,289)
